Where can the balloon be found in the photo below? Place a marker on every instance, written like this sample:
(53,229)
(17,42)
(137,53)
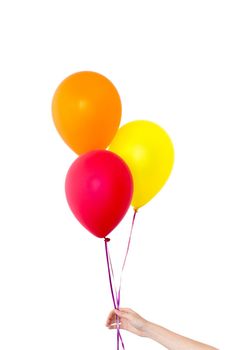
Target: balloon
(149,153)
(86,110)
(99,189)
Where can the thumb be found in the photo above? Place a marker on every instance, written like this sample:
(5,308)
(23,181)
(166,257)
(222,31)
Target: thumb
(121,314)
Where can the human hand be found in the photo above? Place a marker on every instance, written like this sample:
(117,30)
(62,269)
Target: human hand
(132,322)
(128,320)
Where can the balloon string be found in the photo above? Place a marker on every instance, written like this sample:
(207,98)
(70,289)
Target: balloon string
(109,264)
(117,318)
(106,240)
(118,330)
(130,236)
(116,301)
(113,277)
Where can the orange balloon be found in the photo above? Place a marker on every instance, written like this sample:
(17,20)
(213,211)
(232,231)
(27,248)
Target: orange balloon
(86,110)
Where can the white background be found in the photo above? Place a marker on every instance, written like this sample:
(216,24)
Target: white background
(171,62)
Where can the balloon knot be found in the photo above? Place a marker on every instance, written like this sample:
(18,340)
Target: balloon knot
(106,239)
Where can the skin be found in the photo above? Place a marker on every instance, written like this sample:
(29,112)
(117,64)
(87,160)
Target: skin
(131,321)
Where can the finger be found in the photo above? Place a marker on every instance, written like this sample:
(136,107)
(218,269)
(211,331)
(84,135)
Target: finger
(119,312)
(114,326)
(111,317)
(112,320)
(122,314)
(125,309)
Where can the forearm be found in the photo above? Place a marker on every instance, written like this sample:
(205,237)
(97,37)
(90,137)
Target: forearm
(171,340)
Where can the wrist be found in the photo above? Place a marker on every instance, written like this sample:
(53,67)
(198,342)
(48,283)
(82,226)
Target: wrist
(146,330)
(151,330)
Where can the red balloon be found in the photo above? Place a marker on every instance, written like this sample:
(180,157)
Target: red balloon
(99,190)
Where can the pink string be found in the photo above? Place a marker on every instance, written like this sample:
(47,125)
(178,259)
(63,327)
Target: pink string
(117,298)
(106,240)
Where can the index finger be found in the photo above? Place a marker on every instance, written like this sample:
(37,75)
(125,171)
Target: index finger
(111,318)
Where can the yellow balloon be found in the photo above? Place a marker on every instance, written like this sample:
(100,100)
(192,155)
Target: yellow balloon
(149,153)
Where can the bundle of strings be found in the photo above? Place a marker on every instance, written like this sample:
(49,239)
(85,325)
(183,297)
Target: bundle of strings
(117,297)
